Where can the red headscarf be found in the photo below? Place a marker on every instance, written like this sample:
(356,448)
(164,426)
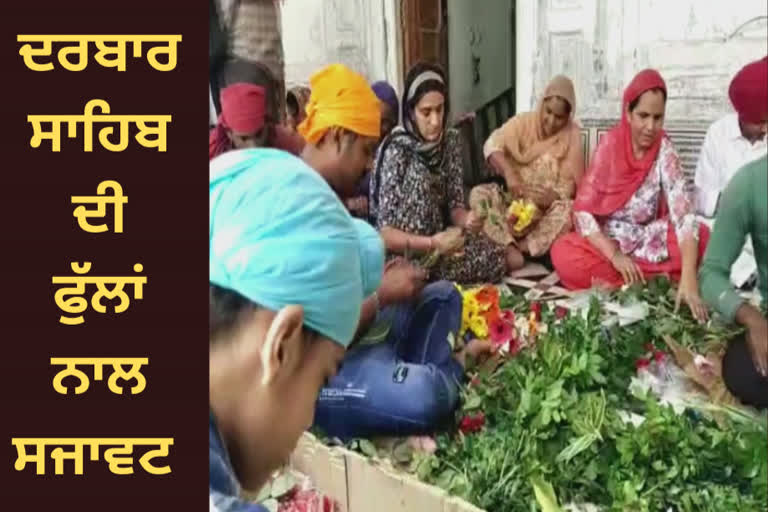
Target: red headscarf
(749,92)
(614,173)
(243,109)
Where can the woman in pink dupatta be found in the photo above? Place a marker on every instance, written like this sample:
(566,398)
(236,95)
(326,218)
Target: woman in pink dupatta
(634,211)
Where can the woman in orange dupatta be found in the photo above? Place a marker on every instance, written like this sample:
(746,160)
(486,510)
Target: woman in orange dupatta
(540,156)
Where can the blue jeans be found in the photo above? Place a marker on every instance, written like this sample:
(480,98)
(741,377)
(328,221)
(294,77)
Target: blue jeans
(406,385)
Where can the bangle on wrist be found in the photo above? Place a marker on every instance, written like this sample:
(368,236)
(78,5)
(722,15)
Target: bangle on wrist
(376,301)
(431,244)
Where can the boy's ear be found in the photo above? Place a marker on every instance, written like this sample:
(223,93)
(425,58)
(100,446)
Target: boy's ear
(282,348)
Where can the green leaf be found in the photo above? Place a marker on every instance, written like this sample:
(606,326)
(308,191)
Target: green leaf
(282,485)
(545,495)
(525,403)
(403,452)
(367,448)
(264,493)
(271,504)
(473,402)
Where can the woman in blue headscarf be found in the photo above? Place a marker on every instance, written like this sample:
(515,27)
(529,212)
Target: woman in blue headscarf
(289,269)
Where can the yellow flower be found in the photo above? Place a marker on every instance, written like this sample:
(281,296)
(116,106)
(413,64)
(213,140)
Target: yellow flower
(479,327)
(465,319)
(533,325)
(523,211)
(470,305)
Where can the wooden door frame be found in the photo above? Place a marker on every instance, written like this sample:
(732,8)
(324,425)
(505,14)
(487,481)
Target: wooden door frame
(410,27)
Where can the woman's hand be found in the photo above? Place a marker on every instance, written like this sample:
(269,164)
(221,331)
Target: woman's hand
(358,205)
(543,197)
(401,282)
(514,185)
(628,269)
(474,222)
(688,292)
(448,241)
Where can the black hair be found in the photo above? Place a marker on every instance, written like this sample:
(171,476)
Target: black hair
(634,102)
(226,309)
(292,104)
(740,375)
(407,106)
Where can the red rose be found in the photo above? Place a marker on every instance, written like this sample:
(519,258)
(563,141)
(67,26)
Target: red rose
(514,346)
(508,316)
(659,356)
(642,363)
(536,309)
(561,312)
(472,423)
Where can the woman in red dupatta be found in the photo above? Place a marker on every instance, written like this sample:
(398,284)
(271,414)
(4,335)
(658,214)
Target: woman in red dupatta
(634,211)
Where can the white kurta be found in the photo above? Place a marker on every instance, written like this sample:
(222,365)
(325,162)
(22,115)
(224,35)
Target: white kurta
(724,152)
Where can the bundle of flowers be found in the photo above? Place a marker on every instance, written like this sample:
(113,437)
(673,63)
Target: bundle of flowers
(289,492)
(485,319)
(520,214)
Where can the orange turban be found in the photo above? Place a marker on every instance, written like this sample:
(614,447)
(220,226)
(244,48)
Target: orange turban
(340,97)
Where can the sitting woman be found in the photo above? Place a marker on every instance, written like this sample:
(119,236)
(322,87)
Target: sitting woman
(634,212)
(417,193)
(244,123)
(540,157)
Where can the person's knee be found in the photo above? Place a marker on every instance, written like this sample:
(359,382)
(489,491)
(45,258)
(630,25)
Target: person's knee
(431,408)
(515,259)
(442,290)
(557,251)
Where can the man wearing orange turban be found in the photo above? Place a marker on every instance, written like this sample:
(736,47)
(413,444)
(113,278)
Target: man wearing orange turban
(342,126)
(731,142)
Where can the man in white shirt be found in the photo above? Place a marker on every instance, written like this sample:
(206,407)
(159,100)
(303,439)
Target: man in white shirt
(731,142)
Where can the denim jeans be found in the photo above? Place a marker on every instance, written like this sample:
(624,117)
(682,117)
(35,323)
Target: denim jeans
(406,385)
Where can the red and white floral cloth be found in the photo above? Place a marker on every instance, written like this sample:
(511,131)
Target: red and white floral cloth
(635,226)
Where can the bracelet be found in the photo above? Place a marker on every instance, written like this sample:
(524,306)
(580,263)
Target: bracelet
(431,245)
(375,297)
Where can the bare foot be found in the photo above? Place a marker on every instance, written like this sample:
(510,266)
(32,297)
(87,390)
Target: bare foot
(423,444)
(477,348)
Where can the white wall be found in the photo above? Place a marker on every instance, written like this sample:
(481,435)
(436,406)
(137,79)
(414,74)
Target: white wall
(482,29)
(601,44)
(361,34)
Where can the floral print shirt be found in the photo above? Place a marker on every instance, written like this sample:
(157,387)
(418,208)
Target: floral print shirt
(411,196)
(636,226)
